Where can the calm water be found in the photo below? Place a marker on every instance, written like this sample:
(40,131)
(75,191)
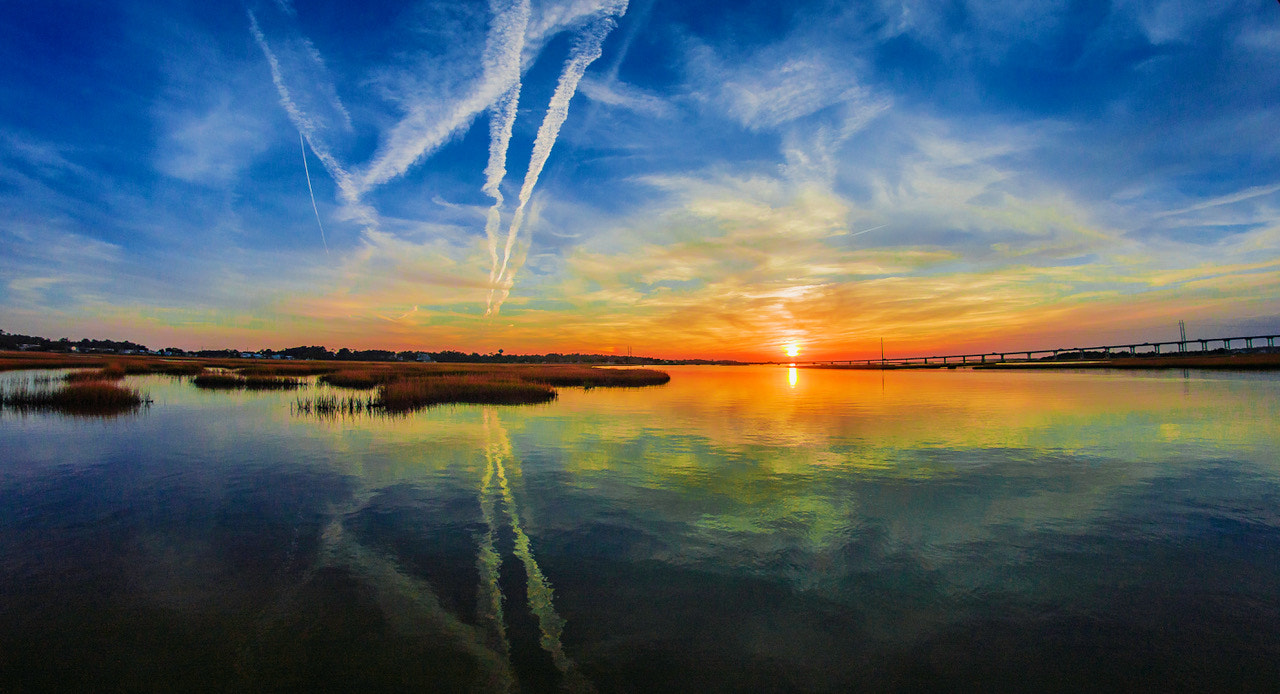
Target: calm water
(740,529)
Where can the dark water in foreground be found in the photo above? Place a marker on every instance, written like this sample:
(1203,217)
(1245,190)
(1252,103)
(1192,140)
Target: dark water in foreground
(748,529)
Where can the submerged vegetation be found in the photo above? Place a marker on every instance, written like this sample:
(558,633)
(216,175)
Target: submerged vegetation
(85,398)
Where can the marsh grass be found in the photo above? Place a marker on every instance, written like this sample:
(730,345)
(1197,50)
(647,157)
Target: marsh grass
(110,373)
(177,368)
(417,393)
(332,406)
(226,381)
(590,377)
(402,387)
(360,379)
(408,387)
(283,369)
(125,364)
(13,361)
(83,398)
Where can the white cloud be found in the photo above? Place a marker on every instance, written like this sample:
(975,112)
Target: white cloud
(212,146)
(768,93)
(618,94)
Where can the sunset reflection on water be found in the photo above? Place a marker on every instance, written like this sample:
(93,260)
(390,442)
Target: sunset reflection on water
(777,527)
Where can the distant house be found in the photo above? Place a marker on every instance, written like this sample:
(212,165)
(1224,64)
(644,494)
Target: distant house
(423,356)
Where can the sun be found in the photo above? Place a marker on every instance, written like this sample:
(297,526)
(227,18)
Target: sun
(792,349)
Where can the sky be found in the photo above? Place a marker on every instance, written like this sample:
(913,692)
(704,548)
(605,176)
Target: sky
(670,178)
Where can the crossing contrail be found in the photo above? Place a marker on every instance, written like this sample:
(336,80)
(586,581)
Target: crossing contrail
(503,51)
(311,127)
(867,231)
(305,169)
(586,50)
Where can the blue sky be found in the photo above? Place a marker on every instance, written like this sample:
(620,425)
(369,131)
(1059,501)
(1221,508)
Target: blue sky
(679,178)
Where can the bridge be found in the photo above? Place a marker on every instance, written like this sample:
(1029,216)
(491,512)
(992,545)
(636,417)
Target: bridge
(1145,349)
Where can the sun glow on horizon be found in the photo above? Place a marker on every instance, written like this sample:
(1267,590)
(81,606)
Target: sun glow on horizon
(792,348)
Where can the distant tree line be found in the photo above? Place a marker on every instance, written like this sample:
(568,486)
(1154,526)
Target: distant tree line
(11,341)
(14,341)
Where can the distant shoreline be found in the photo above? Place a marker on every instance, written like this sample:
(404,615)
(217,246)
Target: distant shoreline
(1264,361)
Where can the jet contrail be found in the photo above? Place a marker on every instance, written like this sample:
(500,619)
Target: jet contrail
(867,231)
(585,51)
(504,51)
(303,143)
(310,129)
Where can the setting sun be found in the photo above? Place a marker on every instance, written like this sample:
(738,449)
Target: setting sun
(792,349)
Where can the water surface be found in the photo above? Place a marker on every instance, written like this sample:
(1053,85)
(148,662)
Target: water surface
(739,529)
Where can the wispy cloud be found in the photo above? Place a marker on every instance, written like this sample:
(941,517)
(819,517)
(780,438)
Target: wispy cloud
(773,90)
(614,93)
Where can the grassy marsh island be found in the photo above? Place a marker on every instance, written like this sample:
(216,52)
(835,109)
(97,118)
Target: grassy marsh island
(91,398)
(400,387)
(404,388)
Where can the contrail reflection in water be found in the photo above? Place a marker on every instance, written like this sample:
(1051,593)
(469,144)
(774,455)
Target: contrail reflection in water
(489,595)
(550,623)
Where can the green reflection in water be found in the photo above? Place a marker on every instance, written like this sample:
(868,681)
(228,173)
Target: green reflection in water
(498,455)
(898,504)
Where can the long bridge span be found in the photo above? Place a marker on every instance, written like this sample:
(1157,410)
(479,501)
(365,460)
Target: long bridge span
(1145,349)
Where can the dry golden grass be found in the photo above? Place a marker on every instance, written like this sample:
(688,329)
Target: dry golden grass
(402,386)
(12,361)
(360,378)
(112,372)
(416,393)
(85,398)
(591,377)
(284,368)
